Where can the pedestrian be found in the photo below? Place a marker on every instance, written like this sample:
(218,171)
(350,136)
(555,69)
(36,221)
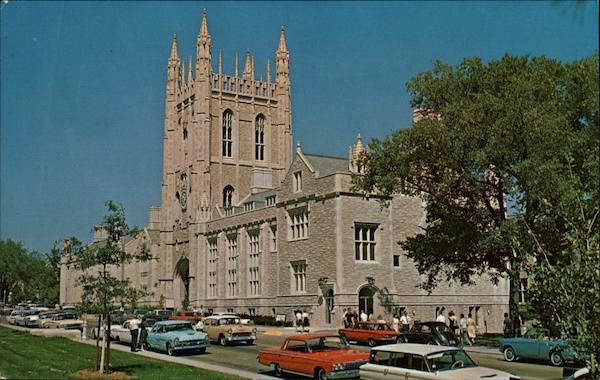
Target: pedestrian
(453,322)
(133,330)
(371,318)
(299,320)
(441,317)
(471,332)
(363,316)
(350,318)
(305,322)
(344,320)
(507,330)
(355,319)
(405,322)
(143,333)
(395,323)
(463,329)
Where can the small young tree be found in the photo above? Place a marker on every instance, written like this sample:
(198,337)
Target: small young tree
(102,290)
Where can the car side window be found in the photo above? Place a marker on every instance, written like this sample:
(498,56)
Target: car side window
(296,345)
(400,360)
(425,329)
(380,357)
(417,363)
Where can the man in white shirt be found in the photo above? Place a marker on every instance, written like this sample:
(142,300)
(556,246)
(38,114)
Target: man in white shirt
(363,316)
(133,329)
(405,322)
(441,318)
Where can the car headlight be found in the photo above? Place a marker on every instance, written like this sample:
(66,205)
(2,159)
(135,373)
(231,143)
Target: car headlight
(338,366)
(176,341)
(230,331)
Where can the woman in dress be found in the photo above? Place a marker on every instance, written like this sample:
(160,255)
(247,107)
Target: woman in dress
(471,333)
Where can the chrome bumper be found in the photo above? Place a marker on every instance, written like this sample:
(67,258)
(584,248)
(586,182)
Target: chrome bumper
(238,338)
(347,374)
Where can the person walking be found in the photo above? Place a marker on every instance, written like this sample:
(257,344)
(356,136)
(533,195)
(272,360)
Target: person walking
(463,330)
(441,317)
(395,323)
(350,318)
(363,316)
(143,333)
(405,322)
(344,319)
(507,330)
(305,322)
(299,320)
(471,331)
(453,323)
(133,330)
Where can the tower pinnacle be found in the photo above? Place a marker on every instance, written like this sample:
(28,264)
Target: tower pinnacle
(248,66)
(282,45)
(174,54)
(204,26)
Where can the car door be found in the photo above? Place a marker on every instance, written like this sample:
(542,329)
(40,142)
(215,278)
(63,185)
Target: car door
(293,357)
(379,366)
(152,336)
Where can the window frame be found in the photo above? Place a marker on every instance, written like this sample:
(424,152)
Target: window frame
(368,241)
(227,134)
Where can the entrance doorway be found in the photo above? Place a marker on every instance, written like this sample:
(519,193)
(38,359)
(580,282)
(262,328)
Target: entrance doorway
(365,299)
(328,306)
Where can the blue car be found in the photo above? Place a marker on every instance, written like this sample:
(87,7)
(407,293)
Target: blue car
(536,345)
(175,336)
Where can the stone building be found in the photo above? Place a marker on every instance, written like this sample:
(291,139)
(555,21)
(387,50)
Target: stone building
(267,230)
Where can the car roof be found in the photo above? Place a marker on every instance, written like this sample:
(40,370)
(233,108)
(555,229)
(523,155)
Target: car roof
(171,322)
(222,316)
(311,336)
(414,348)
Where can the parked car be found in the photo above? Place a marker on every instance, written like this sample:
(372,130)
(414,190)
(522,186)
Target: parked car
(226,329)
(437,333)
(420,361)
(159,314)
(191,316)
(28,318)
(536,345)
(318,355)
(64,320)
(174,336)
(372,333)
(12,318)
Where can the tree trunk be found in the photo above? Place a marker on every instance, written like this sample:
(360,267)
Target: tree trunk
(108,325)
(103,351)
(513,296)
(98,341)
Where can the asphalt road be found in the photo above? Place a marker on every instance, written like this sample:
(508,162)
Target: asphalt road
(242,356)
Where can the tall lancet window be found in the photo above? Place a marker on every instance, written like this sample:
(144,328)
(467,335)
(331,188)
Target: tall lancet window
(227,139)
(259,138)
(228,196)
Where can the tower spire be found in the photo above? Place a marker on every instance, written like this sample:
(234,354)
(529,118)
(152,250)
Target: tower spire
(268,70)
(220,62)
(203,46)
(174,54)
(237,64)
(204,26)
(282,45)
(182,74)
(252,68)
(190,77)
(247,65)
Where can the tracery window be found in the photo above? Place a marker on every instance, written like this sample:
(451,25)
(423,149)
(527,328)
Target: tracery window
(227,135)
(259,138)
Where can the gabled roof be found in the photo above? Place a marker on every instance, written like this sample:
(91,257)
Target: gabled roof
(326,165)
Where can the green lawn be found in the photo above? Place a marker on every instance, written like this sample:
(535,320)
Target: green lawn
(23,356)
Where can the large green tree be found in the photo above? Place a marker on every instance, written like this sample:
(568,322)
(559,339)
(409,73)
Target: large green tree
(505,154)
(102,290)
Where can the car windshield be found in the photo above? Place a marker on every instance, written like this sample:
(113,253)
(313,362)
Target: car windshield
(229,321)
(447,360)
(326,343)
(178,327)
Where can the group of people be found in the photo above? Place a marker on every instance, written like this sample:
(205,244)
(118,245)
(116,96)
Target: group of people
(465,329)
(350,319)
(302,321)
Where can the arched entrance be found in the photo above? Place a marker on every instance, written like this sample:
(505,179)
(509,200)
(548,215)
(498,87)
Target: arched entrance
(365,299)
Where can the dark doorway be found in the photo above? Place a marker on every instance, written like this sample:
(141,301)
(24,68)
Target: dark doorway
(328,306)
(365,299)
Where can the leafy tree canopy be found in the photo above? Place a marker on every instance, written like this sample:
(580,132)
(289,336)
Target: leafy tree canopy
(505,154)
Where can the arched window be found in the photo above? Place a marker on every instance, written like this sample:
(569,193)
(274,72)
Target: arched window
(228,196)
(227,139)
(259,138)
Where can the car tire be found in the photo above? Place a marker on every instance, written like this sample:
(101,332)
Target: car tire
(509,354)
(278,371)
(320,374)
(94,334)
(170,350)
(556,359)
(400,340)
(222,340)
(432,343)
(202,350)
(371,342)
(250,342)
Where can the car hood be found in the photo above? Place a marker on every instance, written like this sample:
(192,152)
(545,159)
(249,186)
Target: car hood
(477,373)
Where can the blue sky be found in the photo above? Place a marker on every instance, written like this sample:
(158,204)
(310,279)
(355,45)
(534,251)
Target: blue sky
(82,84)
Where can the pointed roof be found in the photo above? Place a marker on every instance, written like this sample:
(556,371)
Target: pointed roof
(360,148)
(204,26)
(174,53)
(189,78)
(248,65)
(282,45)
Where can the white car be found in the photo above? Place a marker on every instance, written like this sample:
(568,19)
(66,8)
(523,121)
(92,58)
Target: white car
(14,315)
(420,361)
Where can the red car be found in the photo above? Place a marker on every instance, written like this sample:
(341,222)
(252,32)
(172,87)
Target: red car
(372,333)
(319,355)
(191,316)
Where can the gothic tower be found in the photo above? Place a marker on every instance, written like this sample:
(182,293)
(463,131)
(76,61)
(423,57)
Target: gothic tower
(225,137)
